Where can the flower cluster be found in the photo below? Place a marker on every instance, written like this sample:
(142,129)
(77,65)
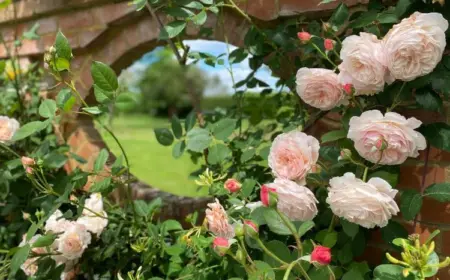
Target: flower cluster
(73,237)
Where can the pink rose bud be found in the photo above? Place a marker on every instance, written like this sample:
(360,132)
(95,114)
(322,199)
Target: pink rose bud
(29,170)
(221,245)
(326,26)
(345,154)
(232,185)
(321,255)
(268,196)
(239,229)
(381,144)
(348,88)
(329,44)
(251,228)
(304,36)
(26,161)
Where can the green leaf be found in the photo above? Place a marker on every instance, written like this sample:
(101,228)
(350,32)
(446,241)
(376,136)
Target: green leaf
(5,3)
(29,129)
(222,129)
(345,255)
(100,95)
(198,139)
(432,236)
(176,127)
(402,7)
(387,17)
(305,227)
(392,231)
(172,29)
(62,64)
(45,240)
(141,208)
(247,187)
(438,134)
(352,275)
(65,100)
(178,149)
(349,228)
(170,225)
(200,18)
(95,110)
(248,154)
(47,109)
(104,77)
(390,272)
(365,19)
(263,271)
(62,46)
(103,186)
(194,5)
(238,55)
(326,238)
(2,66)
(31,34)
(274,222)
(257,215)
(164,136)
(207,2)
(361,267)
(101,159)
(439,191)
(280,250)
(218,153)
(389,176)
(190,121)
(433,261)
(429,100)
(18,259)
(340,15)
(179,12)
(334,135)
(411,202)
(126,101)
(140,4)
(31,231)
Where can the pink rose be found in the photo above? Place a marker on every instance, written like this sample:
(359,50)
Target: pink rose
(366,204)
(388,139)
(328,44)
(221,245)
(232,185)
(321,255)
(293,155)
(297,202)
(265,197)
(363,64)
(218,221)
(415,46)
(8,128)
(319,88)
(304,36)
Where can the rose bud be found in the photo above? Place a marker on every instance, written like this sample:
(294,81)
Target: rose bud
(326,26)
(345,154)
(348,88)
(329,44)
(304,36)
(221,245)
(232,185)
(239,229)
(251,228)
(381,144)
(268,196)
(321,255)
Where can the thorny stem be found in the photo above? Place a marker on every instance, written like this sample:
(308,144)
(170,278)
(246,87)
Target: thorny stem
(324,55)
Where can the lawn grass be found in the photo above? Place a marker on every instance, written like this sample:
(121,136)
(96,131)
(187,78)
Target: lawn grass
(149,161)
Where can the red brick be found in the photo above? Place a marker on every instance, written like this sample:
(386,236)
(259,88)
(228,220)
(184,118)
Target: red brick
(47,25)
(75,20)
(295,7)
(446,243)
(411,176)
(109,13)
(435,155)
(261,9)
(87,36)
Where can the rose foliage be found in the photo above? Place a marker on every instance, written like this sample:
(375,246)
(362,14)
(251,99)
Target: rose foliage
(287,204)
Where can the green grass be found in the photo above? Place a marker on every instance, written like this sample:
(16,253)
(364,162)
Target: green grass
(149,161)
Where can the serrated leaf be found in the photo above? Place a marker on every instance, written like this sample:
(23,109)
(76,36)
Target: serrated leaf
(218,153)
(29,129)
(439,191)
(172,29)
(247,187)
(141,208)
(223,128)
(340,15)
(62,46)
(103,186)
(18,259)
(274,222)
(411,202)
(164,136)
(429,100)
(100,95)
(178,149)
(47,109)
(200,18)
(333,136)
(305,227)
(349,228)
(176,127)
(402,7)
(104,77)
(198,139)
(190,121)
(101,159)
(248,154)
(45,240)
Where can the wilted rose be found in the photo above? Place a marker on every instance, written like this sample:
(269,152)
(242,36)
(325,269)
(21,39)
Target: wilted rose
(366,204)
(218,222)
(8,128)
(388,139)
(319,88)
(292,156)
(415,46)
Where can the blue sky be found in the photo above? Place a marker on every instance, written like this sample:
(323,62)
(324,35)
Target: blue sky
(240,70)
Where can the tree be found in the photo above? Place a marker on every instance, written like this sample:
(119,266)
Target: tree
(167,87)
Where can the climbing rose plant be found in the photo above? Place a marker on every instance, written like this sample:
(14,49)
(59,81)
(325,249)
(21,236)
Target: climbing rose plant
(287,205)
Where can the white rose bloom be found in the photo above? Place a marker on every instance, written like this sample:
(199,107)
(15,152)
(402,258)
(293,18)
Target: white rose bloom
(73,241)
(56,223)
(297,202)
(363,64)
(93,223)
(415,46)
(8,127)
(366,204)
(94,203)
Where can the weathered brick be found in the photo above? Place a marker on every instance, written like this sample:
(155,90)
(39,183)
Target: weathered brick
(75,20)
(411,176)
(47,25)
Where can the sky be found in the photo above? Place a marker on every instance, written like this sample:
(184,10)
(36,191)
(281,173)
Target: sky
(240,70)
